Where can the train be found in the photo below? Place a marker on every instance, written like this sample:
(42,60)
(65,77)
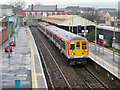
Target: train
(75,48)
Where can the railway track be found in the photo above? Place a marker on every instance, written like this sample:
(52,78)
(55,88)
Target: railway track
(91,80)
(55,75)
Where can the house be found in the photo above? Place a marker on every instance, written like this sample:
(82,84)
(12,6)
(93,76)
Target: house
(43,10)
(112,16)
(109,18)
(73,10)
(104,15)
(101,18)
(21,12)
(6,10)
(4,28)
(105,10)
(86,10)
(76,10)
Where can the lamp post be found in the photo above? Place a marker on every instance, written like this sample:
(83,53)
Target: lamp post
(8,38)
(77,29)
(114,41)
(72,23)
(14,30)
(95,36)
(9,34)
(85,26)
(69,27)
(18,23)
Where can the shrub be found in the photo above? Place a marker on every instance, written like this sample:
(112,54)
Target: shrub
(109,40)
(91,36)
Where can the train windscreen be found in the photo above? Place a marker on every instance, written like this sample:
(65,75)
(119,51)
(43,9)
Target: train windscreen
(78,45)
(84,45)
(72,46)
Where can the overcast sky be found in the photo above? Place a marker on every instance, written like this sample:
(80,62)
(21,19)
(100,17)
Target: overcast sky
(64,3)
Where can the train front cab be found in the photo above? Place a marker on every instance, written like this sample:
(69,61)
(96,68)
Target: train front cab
(78,52)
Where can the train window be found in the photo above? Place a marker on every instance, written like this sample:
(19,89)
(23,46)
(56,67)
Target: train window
(78,45)
(63,45)
(72,46)
(84,45)
(47,32)
(50,34)
(42,28)
(53,37)
(58,40)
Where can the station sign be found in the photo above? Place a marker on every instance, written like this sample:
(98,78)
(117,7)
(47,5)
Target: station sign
(101,36)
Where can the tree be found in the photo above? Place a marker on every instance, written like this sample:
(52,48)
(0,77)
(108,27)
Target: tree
(109,39)
(17,5)
(91,14)
(38,3)
(91,36)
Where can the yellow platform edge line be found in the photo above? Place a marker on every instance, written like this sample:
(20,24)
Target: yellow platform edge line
(115,68)
(106,50)
(34,78)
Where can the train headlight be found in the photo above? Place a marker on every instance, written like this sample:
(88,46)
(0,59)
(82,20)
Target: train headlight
(72,53)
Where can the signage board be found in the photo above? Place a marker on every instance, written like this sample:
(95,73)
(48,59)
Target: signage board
(101,36)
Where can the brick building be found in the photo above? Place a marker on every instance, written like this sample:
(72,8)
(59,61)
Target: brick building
(42,10)
(4,29)
(6,10)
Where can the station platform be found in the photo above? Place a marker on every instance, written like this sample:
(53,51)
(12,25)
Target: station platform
(106,61)
(24,63)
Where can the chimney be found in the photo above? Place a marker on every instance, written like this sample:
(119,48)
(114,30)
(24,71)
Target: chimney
(32,7)
(56,7)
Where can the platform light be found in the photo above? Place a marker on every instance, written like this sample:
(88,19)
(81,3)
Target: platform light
(8,37)
(114,41)
(95,35)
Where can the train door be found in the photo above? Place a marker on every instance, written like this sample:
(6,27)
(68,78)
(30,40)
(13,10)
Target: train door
(72,48)
(75,48)
(78,50)
(84,48)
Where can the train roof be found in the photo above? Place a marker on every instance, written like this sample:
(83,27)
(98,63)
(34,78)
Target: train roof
(110,28)
(65,34)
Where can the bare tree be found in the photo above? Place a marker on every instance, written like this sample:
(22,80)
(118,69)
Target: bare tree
(91,14)
(16,5)
(38,4)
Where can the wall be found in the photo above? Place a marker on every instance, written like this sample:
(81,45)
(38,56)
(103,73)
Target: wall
(4,34)
(0,37)
(21,12)
(46,12)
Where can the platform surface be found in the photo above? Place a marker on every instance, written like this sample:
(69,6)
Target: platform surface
(24,63)
(106,60)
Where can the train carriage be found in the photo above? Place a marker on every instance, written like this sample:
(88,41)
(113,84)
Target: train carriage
(74,47)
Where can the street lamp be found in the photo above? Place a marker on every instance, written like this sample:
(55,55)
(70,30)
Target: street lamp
(114,41)
(69,27)
(19,16)
(95,36)
(9,36)
(72,23)
(85,26)
(14,30)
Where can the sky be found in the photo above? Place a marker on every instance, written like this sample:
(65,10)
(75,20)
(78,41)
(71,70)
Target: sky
(64,3)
